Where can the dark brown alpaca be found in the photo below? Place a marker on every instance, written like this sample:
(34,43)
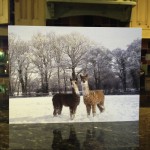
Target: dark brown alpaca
(91,98)
(69,100)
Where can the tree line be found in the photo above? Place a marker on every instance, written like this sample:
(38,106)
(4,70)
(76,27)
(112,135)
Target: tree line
(48,61)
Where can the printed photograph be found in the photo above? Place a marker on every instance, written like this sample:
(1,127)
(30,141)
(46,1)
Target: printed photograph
(73,74)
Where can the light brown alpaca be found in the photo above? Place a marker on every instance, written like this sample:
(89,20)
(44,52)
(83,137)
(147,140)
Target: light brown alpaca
(91,98)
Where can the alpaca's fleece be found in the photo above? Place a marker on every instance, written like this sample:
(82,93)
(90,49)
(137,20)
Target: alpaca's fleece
(94,97)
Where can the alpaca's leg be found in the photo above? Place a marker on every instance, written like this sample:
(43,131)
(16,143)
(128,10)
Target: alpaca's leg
(101,107)
(94,110)
(88,109)
(74,112)
(75,109)
(71,114)
(59,110)
(55,112)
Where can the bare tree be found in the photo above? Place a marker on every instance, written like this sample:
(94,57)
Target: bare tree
(120,65)
(41,47)
(98,62)
(75,47)
(19,63)
(58,46)
(133,62)
(12,47)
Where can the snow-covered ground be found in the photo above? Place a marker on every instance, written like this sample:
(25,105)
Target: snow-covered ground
(40,110)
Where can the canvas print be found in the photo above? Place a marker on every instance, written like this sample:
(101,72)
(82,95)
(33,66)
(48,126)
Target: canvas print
(73,74)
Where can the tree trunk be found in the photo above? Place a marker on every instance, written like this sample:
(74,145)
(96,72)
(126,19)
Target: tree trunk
(96,80)
(42,82)
(58,74)
(26,81)
(65,82)
(124,77)
(18,88)
(10,89)
(73,73)
(99,82)
(124,85)
(15,86)
(135,79)
(21,81)
(46,83)
(99,78)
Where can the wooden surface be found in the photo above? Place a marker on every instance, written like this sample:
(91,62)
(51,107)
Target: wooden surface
(30,12)
(3,31)
(141,17)
(123,2)
(4,11)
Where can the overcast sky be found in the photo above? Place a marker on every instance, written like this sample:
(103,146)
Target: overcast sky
(110,38)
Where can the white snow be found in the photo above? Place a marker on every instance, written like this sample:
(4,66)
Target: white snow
(40,110)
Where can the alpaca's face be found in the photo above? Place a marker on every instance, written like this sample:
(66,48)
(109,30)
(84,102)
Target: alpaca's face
(74,84)
(84,79)
(84,83)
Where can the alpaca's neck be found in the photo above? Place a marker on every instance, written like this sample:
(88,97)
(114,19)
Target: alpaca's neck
(85,89)
(75,90)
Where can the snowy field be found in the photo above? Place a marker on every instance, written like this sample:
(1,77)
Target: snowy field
(40,110)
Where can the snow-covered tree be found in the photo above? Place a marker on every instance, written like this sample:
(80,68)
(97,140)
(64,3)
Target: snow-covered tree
(126,64)
(120,65)
(58,47)
(41,48)
(75,47)
(133,62)
(98,62)
(19,63)
(12,47)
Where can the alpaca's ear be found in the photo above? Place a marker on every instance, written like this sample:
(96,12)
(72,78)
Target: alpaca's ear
(86,75)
